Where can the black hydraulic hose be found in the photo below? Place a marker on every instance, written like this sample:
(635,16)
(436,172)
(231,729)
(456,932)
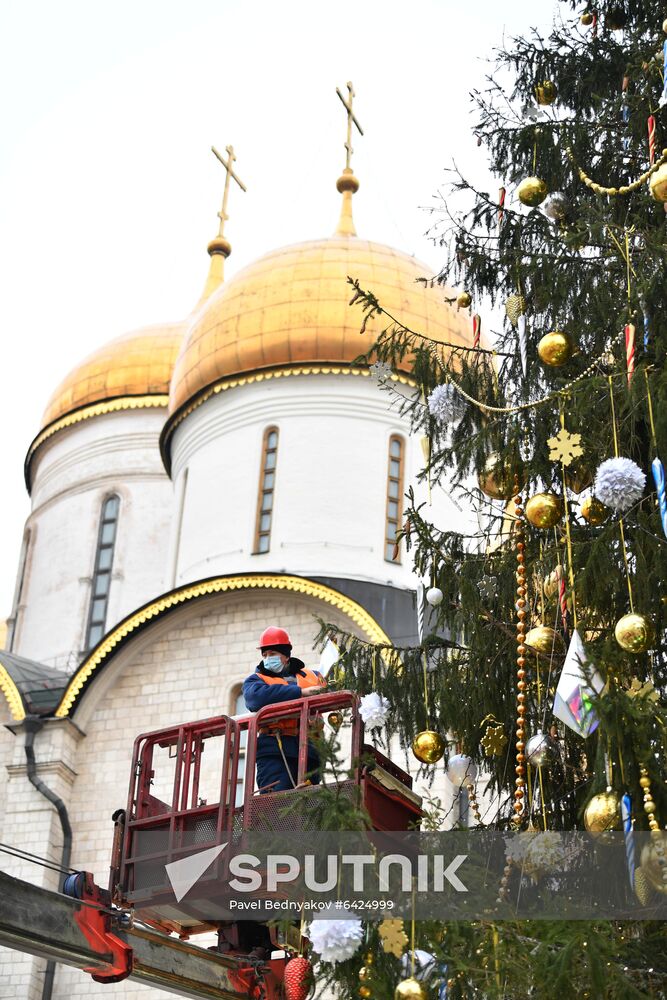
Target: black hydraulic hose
(32,725)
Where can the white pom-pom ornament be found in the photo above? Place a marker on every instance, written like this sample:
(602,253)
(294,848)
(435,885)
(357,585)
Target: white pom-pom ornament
(336,940)
(619,483)
(434,596)
(445,404)
(374,709)
(461,770)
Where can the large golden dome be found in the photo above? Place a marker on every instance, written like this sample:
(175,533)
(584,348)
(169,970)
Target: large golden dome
(291,307)
(137,364)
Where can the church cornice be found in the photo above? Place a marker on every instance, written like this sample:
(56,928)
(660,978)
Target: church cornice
(116,405)
(233,382)
(151,612)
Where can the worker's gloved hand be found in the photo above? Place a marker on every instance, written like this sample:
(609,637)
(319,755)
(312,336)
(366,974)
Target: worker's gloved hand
(318,689)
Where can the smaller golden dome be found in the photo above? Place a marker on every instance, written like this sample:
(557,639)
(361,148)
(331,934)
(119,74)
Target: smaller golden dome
(137,364)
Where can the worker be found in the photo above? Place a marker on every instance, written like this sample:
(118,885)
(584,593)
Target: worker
(281,677)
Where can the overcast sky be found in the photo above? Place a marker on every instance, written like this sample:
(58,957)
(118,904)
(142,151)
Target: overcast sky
(109,190)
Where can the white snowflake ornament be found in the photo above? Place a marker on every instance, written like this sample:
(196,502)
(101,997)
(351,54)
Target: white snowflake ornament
(336,940)
(619,483)
(374,710)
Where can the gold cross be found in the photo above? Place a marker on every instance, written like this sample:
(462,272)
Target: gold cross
(228,165)
(351,119)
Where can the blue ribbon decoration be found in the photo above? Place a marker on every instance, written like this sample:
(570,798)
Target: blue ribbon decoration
(658,470)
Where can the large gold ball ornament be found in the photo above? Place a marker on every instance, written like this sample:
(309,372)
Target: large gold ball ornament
(428,746)
(603,813)
(410,989)
(587,18)
(463,300)
(546,92)
(634,633)
(594,511)
(532,191)
(366,992)
(545,640)
(544,510)
(555,349)
(496,480)
(650,861)
(578,477)
(658,183)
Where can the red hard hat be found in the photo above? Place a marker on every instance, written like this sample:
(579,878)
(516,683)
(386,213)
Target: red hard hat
(274,636)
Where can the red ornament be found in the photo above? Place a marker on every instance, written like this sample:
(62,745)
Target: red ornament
(298,973)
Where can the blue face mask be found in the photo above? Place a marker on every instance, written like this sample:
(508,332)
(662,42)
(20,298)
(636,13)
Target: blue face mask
(273,664)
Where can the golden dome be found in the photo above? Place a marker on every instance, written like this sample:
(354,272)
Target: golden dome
(291,307)
(137,364)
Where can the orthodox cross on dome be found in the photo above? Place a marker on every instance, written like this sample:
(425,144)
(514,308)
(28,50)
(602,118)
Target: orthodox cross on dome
(228,164)
(351,120)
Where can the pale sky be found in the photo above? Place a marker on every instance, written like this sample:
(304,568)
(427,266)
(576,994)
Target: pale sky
(109,191)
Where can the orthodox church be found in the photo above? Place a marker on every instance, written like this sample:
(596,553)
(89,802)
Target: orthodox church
(191,483)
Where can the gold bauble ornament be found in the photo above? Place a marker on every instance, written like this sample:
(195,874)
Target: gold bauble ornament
(410,989)
(578,477)
(515,306)
(366,992)
(658,183)
(587,18)
(634,633)
(555,348)
(545,640)
(594,511)
(546,92)
(655,849)
(428,746)
(603,813)
(463,300)
(544,510)
(496,480)
(364,973)
(532,191)
(369,958)
(335,719)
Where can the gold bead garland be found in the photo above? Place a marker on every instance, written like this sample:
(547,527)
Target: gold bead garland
(626,189)
(654,826)
(474,805)
(520,782)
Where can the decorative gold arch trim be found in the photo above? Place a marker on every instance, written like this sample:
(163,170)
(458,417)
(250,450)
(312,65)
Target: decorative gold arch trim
(12,694)
(260,376)
(218,585)
(94,410)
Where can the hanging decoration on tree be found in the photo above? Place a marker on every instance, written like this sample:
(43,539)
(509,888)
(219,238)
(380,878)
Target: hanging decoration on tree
(663,97)
(393,937)
(532,191)
(634,633)
(488,587)
(579,682)
(434,596)
(521,614)
(544,510)
(523,343)
(374,710)
(515,306)
(336,940)
(539,749)
(619,484)
(630,349)
(546,92)
(658,470)
(629,837)
(445,404)
(557,206)
(594,511)
(555,349)
(603,813)
(476,330)
(461,770)
(564,447)
(501,206)
(298,977)
(494,740)
(651,139)
(496,478)
(410,989)
(463,300)
(381,370)
(428,746)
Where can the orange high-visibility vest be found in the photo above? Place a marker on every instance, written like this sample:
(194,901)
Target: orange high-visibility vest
(290,727)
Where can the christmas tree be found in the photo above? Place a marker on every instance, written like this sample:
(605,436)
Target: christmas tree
(545,659)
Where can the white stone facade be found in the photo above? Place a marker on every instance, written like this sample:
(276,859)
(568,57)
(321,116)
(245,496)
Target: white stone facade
(73,473)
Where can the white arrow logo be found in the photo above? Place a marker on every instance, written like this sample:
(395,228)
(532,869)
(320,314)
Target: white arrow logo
(184,873)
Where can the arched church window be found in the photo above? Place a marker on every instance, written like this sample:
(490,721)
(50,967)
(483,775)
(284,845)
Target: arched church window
(267,482)
(394,496)
(240,708)
(99,595)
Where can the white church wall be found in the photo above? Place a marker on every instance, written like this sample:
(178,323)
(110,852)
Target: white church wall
(74,473)
(330,497)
